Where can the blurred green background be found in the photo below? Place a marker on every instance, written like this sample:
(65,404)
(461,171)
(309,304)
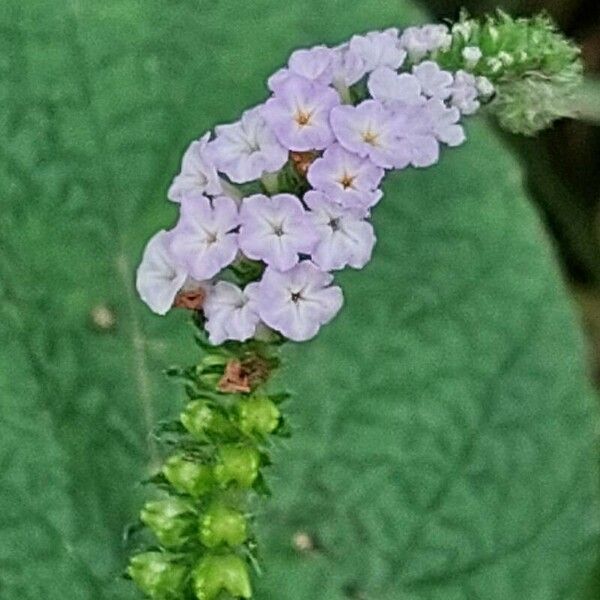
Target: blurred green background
(445,439)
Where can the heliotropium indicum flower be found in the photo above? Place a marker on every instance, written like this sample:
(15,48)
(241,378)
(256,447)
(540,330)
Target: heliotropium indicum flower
(368,130)
(379,49)
(394,89)
(247,149)
(420,41)
(299,301)
(314,64)
(346,177)
(299,112)
(159,276)
(198,173)
(270,209)
(435,82)
(204,240)
(231,313)
(345,237)
(275,230)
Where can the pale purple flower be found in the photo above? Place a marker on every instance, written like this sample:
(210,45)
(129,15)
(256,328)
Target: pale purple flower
(232,314)
(419,41)
(298,114)
(345,238)
(444,122)
(465,93)
(391,88)
(314,64)
(379,48)
(435,82)
(204,240)
(418,145)
(366,130)
(346,178)
(275,230)
(296,303)
(248,148)
(348,67)
(198,173)
(159,276)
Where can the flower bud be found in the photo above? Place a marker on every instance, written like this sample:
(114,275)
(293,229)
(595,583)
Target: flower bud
(200,418)
(258,415)
(224,573)
(171,520)
(188,476)
(157,576)
(237,464)
(222,525)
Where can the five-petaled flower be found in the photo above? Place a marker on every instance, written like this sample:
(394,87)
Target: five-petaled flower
(246,149)
(204,241)
(159,276)
(231,313)
(346,178)
(345,237)
(298,114)
(367,130)
(275,230)
(198,172)
(297,302)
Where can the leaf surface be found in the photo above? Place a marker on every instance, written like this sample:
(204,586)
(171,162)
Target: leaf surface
(444,430)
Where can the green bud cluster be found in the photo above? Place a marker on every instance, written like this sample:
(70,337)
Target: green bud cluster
(219,448)
(535,70)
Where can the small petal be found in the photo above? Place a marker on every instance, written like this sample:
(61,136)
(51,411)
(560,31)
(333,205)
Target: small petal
(198,173)
(159,276)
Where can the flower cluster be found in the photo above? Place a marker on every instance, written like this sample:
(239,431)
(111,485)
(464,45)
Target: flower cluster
(337,119)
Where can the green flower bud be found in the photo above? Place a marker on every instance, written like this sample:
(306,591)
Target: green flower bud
(237,464)
(157,576)
(188,476)
(171,520)
(210,380)
(210,361)
(258,415)
(200,419)
(222,525)
(224,573)
(536,71)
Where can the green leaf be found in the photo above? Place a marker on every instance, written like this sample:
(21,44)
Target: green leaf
(444,431)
